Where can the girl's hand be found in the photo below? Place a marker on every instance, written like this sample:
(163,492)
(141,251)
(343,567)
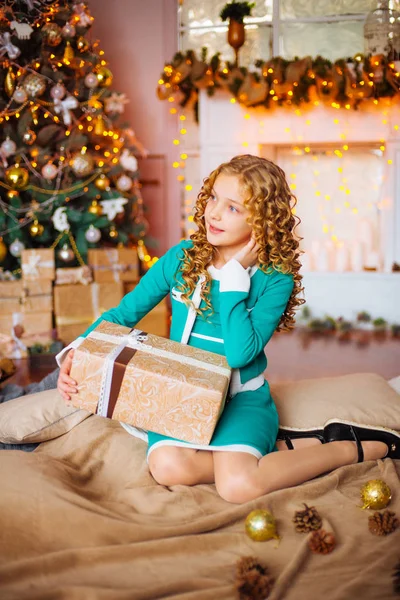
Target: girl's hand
(65,384)
(248,255)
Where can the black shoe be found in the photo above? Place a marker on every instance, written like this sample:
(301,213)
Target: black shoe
(343,430)
(287,435)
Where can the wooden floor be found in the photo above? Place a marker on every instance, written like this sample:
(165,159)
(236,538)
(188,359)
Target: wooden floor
(293,356)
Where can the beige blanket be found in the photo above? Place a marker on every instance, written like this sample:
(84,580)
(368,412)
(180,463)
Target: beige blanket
(81,518)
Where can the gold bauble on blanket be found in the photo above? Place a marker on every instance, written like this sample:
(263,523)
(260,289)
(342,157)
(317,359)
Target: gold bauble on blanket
(260,525)
(375,494)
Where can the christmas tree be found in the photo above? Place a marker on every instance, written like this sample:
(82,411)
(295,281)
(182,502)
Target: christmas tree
(68,171)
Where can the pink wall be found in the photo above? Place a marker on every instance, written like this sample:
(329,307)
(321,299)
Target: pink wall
(138,37)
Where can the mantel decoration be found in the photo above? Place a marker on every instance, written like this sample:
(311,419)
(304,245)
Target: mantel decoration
(235,12)
(345,83)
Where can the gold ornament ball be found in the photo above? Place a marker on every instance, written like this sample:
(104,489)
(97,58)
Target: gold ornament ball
(3,250)
(104,76)
(260,525)
(17,177)
(29,137)
(9,83)
(66,254)
(36,228)
(375,494)
(52,34)
(81,164)
(34,85)
(82,44)
(95,208)
(102,182)
(113,233)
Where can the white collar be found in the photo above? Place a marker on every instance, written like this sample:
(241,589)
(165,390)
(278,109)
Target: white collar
(216,273)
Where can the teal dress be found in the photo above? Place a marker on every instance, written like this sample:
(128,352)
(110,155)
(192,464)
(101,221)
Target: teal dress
(247,306)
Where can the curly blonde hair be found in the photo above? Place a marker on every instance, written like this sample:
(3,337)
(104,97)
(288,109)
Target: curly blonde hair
(270,204)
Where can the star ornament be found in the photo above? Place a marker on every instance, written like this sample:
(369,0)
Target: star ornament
(113,207)
(115,103)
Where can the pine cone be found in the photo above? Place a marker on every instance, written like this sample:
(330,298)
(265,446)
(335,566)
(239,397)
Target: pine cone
(307,520)
(396,579)
(383,523)
(253,581)
(322,542)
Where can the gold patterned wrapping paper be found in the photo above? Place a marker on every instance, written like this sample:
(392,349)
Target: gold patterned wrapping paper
(165,387)
(76,306)
(114,264)
(38,263)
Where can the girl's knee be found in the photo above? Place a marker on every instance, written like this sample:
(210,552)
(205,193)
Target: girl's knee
(169,466)
(238,487)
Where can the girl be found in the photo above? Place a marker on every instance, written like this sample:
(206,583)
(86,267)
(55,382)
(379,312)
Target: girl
(232,285)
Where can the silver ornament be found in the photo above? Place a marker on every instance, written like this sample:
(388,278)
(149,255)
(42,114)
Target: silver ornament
(66,253)
(93,234)
(8,147)
(16,248)
(20,95)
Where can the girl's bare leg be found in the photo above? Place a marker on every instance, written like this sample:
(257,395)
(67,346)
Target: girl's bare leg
(174,465)
(241,477)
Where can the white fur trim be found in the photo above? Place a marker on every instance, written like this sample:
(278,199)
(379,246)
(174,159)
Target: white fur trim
(230,448)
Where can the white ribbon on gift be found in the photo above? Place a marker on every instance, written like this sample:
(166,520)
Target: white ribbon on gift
(135,340)
(34,261)
(19,346)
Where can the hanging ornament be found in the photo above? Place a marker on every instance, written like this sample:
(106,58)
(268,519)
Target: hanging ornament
(3,250)
(16,248)
(64,108)
(375,494)
(8,147)
(66,254)
(99,126)
(34,85)
(260,525)
(29,137)
(113,207)
(95,208)
(36,228)
(115,103)
(17,177)
(49,171)
(9,82)
(82,44)
(91,81)
(60,220)
(81,164)
(113,233)
(104,76)
(102,182)
(82,17)
(69,54)
(128,161)
(7,48)
(68,31)
(93,234)
(20,95)
(23,30)
(58,91)
(52,34)
(124,183)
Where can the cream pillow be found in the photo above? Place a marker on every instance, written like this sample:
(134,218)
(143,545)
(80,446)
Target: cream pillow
(37,418)
(362,398)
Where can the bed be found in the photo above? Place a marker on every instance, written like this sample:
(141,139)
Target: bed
(82,518)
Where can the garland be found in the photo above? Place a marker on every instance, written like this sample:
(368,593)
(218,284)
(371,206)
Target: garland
(345,83)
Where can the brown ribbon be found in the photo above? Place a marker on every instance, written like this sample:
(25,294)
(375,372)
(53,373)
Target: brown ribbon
(118,373)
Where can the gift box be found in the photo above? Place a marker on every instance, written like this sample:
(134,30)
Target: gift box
(26,296)
(114,264)
(158,320)
(150,382)
(38,263)
(34,324)
(68,276)
(76,306)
